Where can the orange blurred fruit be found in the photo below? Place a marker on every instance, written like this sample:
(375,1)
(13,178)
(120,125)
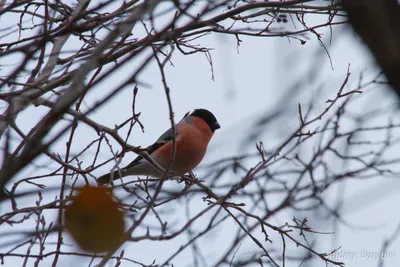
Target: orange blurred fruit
(94,220)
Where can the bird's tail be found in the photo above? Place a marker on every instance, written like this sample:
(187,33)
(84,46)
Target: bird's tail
(106,178)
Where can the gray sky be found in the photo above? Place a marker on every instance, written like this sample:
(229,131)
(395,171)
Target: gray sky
(246,84)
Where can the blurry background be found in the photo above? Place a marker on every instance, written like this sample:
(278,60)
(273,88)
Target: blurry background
(273,73)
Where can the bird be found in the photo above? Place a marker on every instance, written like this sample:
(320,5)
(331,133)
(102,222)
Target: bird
(192,135)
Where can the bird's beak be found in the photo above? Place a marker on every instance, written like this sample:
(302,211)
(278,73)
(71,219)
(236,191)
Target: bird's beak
(217,126)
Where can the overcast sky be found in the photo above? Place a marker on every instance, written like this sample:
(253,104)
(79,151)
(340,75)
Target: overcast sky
(248,81)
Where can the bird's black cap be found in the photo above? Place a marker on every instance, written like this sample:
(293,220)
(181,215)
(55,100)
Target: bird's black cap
(208,117)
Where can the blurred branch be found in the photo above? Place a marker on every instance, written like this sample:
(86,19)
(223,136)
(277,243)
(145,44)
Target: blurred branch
(66,51)
(378,24)
(18,103)
(32,147)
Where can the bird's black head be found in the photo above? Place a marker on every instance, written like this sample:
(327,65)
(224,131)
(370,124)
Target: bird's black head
(208,117)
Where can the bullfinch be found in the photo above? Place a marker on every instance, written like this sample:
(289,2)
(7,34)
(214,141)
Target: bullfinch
(192,135)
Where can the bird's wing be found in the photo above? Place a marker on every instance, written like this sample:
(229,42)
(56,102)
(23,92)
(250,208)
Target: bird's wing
(162,140)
